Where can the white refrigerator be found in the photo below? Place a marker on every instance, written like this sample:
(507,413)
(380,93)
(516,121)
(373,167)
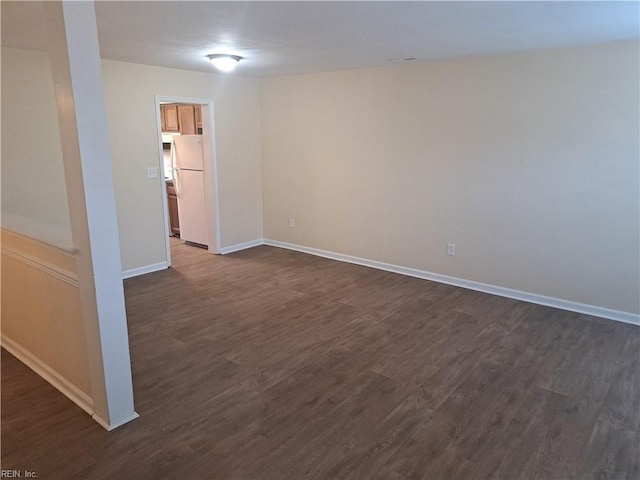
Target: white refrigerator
(188,172)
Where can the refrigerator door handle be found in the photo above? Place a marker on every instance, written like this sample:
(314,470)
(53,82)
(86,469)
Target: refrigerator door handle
(176,182)
(175,171)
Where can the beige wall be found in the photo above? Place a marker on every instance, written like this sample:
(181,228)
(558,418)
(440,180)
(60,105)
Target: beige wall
(33,189)
(41,312)
(528,163)
(129,96)
(34,198)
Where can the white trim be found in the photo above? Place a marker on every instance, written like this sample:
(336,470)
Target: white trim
(69,390)
(620,316)
(112,426)
(163,185)
(242,246)
(49,268)
(187,100)
(154,267)
(208,128)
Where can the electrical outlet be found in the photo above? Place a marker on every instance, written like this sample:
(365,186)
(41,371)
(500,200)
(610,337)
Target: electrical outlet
(451,249)
(152,172)
(292,222)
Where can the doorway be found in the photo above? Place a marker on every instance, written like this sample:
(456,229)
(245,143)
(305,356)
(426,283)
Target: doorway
(195,116)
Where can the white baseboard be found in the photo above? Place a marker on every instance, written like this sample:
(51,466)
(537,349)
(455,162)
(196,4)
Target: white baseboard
(65,387)
(74,394)
(134,272)
(241,246)
(112,426)
(587,309)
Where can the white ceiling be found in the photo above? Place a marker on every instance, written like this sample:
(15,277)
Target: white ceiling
(279,38)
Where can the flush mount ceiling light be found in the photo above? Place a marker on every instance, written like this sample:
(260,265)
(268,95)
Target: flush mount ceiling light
(223,61)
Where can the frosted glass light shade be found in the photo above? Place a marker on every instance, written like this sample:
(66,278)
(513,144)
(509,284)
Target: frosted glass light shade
(224,62)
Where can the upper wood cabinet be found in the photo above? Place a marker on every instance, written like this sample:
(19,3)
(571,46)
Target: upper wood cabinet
(187,119)
(169,118)
(181,118)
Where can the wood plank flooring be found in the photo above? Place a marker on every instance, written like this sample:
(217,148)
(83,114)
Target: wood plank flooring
(271,364)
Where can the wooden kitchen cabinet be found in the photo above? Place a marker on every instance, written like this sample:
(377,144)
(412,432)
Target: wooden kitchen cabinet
(187,119)
(169,117)
(172,202)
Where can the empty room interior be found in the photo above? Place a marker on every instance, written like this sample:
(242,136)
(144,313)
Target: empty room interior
(328,240)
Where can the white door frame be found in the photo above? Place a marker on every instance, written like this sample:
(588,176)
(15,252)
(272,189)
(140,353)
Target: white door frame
(211,174)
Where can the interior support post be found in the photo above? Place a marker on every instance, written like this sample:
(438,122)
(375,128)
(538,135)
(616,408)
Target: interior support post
(77,75)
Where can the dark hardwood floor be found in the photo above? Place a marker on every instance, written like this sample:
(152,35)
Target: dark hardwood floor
(272,364)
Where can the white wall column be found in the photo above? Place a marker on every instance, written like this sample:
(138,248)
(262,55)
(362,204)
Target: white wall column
(77,75)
